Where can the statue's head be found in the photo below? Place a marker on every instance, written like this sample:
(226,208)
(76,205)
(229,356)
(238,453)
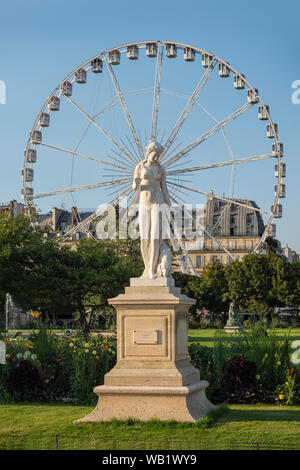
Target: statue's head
(153,151)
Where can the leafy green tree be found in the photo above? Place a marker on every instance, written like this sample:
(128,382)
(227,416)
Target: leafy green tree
(211,291)
(290,291)
(255,282)
(52,279)
(208,290)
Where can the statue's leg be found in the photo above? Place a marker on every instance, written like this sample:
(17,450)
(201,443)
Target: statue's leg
(144,225)
(156,239)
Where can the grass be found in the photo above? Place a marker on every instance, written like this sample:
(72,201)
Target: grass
(206,337)
(34,426)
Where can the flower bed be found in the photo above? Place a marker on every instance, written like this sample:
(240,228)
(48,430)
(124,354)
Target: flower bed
(46,367)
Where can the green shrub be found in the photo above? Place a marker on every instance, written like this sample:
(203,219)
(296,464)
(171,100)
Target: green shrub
(201,358)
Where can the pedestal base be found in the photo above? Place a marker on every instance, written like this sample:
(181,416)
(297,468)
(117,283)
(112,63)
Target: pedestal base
(233,329)
(187,403)
(153,377)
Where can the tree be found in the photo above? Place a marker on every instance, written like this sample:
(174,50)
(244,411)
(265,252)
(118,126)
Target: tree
(211,291)
(50,278)
(255,282)
(290,290)
(208,290)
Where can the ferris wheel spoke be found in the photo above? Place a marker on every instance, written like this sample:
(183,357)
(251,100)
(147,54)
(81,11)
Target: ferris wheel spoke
(208,134)
(233,201)
(189,105)
(156,94)
(105,133)
(81,188)
(131,146)
(82,226)
(221,164)
(125,110)
(82,155)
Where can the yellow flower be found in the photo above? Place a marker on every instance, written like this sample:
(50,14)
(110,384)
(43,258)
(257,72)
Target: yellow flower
(86,350)
(71,345)
(286,383)
(86,345)
(281,397)
(257,377)
(278,363)
(94,352)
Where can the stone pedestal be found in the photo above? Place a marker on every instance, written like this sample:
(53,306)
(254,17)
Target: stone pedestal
(152,377)
(233,329)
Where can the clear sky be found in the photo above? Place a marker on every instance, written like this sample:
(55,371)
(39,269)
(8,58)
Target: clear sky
(41,42)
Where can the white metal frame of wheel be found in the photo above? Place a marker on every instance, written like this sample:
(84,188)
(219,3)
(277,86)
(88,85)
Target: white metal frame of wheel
(130,154)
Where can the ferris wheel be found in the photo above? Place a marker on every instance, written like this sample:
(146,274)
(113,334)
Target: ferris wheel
(105,112)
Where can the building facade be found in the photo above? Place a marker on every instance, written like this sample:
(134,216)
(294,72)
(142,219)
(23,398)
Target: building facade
(236,227)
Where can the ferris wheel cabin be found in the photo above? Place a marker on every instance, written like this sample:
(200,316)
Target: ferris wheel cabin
(80,76)
(282,170)
(239,82)
(206,60)
(132,52)
(151,49)
(27,174)
(44,120)
(272,231)
(36,137)
(223,70)
(54,103)
(275,151)
(114,57)
(66,88)
(263,112)
(189,54)
(26,192)
(252,95)
(31,155)
(171,51)
(278,211)
(271,132)
(282,191)
(97,65)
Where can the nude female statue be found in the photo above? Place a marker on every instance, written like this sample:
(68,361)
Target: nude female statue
(150,179)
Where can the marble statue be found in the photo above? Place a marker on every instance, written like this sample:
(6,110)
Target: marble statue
(234,316)
(150,180)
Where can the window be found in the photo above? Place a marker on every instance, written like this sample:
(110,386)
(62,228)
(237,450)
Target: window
(249,219)
(200,261)
(232,219)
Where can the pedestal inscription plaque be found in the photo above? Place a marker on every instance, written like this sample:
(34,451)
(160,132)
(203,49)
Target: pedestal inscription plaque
(145,337)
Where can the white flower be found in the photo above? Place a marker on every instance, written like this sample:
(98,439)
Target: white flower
(19,355)
(27,355)
(33,357)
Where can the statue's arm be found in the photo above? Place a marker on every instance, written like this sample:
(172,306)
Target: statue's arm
(137,177)
(164,187)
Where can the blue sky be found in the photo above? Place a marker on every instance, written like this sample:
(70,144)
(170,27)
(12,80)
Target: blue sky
(43,42)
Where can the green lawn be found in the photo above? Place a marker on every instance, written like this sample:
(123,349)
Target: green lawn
(32,426)
(206,337)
